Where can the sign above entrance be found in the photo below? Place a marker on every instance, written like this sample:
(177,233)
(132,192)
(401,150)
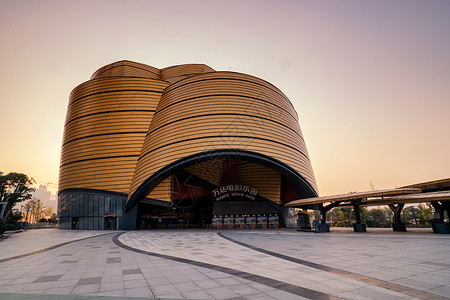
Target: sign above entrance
(234,190)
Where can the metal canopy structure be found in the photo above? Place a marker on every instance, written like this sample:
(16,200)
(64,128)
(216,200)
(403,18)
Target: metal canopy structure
(429,186)
(411,198)
(353,196)
(436,192)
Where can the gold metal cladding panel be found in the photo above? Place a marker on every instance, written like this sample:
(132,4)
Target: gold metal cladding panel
(229,122)
(217,106)
(96,174)
(215,112)
(95,166)
(267,181)
(97,143)
(172,80)
(100,166)
(236,127)
(183,70)
(105,130)
(115,84)
(102,124)
(117,118)
(127,68)
(267,123)
(231,75)
(163,191)
(163,156)
(101,146)
(252,95)
(117,184)
(229,82)
(252,98)
(105,103)
(75,152)
(110,88)
(210,170)
(208,143)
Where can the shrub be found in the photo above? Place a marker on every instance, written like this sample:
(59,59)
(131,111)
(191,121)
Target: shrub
(2,226)
(13,226)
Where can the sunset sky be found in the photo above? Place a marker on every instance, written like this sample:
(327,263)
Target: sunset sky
(370,80)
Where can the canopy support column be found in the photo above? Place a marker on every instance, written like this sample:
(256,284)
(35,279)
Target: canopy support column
(323,227)
(358,227)
(397,225)
(441,226)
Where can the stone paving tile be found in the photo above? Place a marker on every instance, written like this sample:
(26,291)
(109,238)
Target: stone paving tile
(135,284)
(85,289)
(259,297)
(423,285)
(222,293)
(59,291)
(443,290)
(47,278)
(112,278)
(186,286)
(284,295)
(132,274)
(65,283)
(243,290)
(111,286)
(157,281)
(113,260)
(131,271)
(115,293)
(173,295)
(89,280)
(139,292)
(197,294)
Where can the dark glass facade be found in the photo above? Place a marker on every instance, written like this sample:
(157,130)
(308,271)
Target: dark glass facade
(84,209)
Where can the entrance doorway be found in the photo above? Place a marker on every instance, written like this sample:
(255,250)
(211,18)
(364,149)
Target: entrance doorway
(158,217)
(75,222)
(110,223)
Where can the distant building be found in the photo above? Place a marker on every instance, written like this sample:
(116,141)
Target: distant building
(47,198)
(183,146)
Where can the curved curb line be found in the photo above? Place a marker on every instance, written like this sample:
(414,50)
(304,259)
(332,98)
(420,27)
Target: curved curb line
(49,248)
(351,275)
(290,288)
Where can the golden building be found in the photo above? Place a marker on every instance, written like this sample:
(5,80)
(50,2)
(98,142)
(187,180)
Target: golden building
(183,146)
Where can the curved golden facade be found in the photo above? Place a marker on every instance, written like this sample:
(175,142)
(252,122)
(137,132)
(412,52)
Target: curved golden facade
(222,110)
(106,123)
(136,131)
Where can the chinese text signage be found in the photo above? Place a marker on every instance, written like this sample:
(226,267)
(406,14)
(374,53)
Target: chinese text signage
(235,190)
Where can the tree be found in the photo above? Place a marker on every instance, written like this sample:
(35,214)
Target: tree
(37,207)
(34,209)
(343,216)
(28,207)
(48,211)
(15,188)
(425,215)
(364,215)
(53,219)
(377,218)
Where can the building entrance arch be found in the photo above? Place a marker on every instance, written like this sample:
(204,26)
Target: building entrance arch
(196,196)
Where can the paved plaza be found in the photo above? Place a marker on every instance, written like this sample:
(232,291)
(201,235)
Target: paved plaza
(227,264)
